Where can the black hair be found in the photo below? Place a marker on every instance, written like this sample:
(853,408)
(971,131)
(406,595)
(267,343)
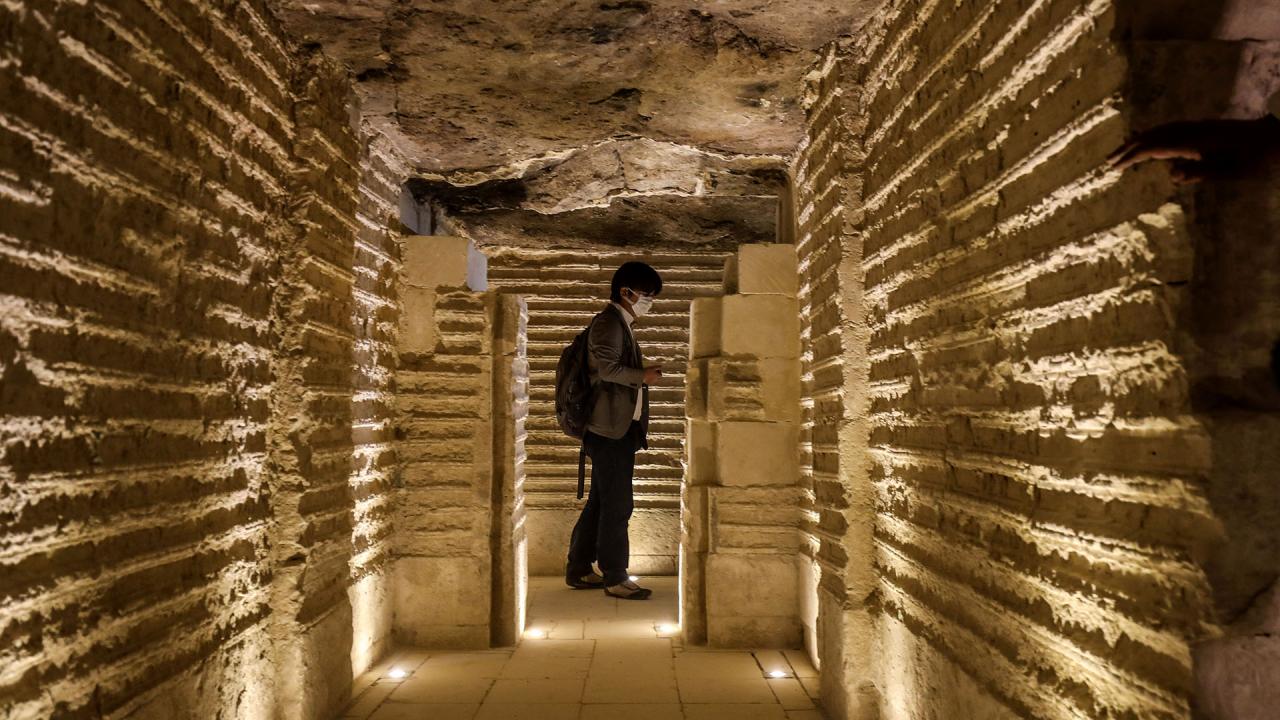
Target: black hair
(635,275)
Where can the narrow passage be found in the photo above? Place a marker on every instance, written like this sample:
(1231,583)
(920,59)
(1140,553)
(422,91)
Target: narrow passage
(588,657)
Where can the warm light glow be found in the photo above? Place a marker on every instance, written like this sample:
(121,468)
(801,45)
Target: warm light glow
(635,578)
(398,673)
(370,619)
(669,629)
(535,634)
(777,673)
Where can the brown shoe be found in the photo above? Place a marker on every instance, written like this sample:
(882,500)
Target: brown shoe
(628,590)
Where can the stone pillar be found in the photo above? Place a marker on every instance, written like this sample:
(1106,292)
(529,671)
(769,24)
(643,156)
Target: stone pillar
(741,500)
(445,399)
(508,537)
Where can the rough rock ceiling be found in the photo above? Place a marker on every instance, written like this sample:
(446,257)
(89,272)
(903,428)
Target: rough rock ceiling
(626,98)
(652,223)
(633,192)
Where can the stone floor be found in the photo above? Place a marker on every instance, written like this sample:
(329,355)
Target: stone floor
(589,657)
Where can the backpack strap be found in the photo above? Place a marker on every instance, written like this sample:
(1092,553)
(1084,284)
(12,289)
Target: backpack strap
(582,451)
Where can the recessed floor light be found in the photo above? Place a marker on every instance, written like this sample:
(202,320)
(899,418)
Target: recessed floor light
(535,634)
(398,673)
(668,628)
(777,673)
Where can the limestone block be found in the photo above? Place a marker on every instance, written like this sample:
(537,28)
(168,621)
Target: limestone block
(766,326)
(427,617)
(757,453)
(511,319)
(654,536)
(695,518)
(752,389)
(700,452)
(693,583)
(731,275)
(768,269)
(704,326)
(752,632)
(695,390)
(808,572)
(751,537)
(752,584)
(548,531)
(316,692)
(432,261)
(758,519)
(751,600)
(417,320)
(655,539)
(371,599)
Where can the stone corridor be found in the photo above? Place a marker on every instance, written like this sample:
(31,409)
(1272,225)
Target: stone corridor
(585,657)
(970,328)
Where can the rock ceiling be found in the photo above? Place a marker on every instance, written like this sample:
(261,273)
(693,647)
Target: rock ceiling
(607,109)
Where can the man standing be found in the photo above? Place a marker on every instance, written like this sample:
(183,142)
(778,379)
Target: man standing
(617,429)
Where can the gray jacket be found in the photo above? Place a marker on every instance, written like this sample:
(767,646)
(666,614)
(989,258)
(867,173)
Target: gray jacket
(616,369)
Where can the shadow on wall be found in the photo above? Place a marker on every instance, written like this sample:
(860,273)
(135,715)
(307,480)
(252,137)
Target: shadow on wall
(1211,72)
(1235,321)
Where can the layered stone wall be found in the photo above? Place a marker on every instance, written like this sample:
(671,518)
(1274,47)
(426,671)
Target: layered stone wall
(837,515)
(194,266)
(564,289)
(375,326)
(1036,474)
(740,499)
(461,384)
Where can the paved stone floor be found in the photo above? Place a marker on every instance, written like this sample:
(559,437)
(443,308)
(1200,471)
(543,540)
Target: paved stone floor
(589,657)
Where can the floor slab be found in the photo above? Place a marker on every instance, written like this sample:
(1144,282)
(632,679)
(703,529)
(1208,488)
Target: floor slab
(590,657)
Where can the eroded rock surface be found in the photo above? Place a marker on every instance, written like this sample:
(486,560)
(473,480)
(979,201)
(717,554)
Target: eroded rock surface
(472,84)
(570,106)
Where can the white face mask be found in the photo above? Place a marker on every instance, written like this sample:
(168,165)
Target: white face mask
(640,307)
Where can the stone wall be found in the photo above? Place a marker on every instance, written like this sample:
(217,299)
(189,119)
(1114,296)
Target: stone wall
(461,381)
(564,289)
(509,540)
(195,310)
(375,326)
(1036,485)
(740,501)
(837,513)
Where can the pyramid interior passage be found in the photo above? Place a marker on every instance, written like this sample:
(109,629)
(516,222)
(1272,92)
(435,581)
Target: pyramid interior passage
(969,322)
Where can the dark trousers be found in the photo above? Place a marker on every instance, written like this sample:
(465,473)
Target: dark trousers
(600,535)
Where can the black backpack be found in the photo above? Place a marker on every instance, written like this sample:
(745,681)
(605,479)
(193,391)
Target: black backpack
(573,396)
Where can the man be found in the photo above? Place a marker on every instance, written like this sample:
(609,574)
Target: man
(617,429)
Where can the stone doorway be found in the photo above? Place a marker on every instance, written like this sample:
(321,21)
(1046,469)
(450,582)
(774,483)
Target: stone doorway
(492,479)
(562,290)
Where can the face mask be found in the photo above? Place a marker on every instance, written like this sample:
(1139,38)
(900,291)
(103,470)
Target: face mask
(641,306)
